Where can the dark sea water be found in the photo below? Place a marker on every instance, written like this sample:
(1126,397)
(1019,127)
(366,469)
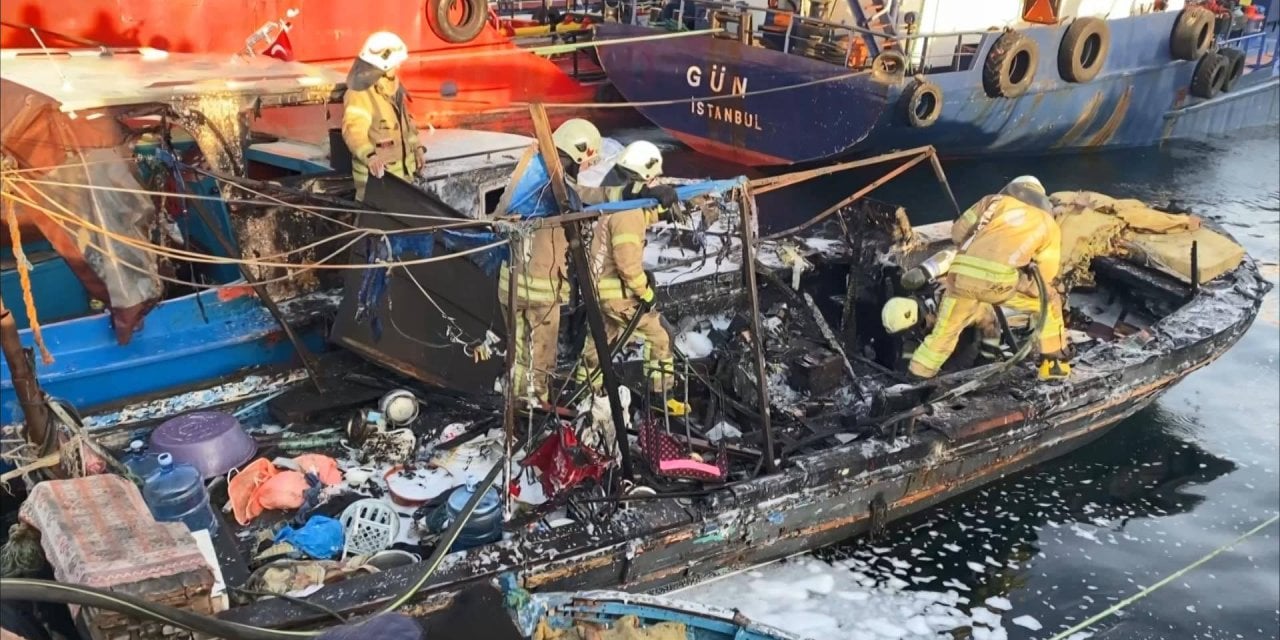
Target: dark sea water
(1167,486)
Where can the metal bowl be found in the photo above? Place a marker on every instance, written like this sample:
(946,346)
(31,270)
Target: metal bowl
(211,441)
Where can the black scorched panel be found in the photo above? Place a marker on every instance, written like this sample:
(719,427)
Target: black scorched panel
(414,339)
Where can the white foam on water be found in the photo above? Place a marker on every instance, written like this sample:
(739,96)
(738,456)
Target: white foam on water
(814,599)
(996,602)
(1027,622)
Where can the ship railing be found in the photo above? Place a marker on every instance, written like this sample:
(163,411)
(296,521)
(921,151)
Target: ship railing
(830,42)
(1258,45)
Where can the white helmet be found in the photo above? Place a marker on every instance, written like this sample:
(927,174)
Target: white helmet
(899,314)
(643,158)
(384,50)
(578,139)
(1028,181)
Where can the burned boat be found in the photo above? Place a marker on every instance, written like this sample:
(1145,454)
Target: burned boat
(850,452)
(180,149)
(802,432)
(94,142)
(842,447)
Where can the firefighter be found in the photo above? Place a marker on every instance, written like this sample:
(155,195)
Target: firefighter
(995,239)
(376,124)
(617,257)
(910,318)
(542,286)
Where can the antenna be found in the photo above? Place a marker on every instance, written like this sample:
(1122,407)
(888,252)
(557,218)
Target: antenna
(66,84)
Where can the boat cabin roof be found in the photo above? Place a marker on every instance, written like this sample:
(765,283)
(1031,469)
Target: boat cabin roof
(84,79)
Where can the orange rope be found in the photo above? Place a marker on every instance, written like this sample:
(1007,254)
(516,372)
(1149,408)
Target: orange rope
(24,277)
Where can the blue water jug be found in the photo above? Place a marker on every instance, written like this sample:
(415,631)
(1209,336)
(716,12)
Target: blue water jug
(175,493)
(139,461)
(485,524)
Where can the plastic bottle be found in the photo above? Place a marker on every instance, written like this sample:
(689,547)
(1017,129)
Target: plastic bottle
(175,493)
(485,524)
(141,463)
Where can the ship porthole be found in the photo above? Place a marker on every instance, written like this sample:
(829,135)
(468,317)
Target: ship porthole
(1083,50)
(1210,76)
(1192,34)
(1011,65)
(922,103)
(457,21)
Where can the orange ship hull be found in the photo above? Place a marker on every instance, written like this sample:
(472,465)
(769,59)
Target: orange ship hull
(483,83)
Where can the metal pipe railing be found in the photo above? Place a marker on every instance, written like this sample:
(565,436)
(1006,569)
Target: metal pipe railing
(748,31)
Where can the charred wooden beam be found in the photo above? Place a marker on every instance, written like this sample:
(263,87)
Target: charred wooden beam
(582,269)
(747,209)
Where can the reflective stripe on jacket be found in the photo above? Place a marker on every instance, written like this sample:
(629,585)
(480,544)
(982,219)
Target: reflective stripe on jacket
(617,254)
(372,120)
(998,236)
(542,279)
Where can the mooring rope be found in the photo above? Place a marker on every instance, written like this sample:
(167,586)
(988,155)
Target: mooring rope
(1173,576)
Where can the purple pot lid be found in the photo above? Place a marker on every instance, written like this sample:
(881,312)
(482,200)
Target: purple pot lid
(211,441)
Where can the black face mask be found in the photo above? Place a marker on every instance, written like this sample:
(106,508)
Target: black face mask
(570,167)
(363,75)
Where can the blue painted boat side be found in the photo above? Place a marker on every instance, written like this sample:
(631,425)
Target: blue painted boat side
(1125,105)
(55,289)
(178,345)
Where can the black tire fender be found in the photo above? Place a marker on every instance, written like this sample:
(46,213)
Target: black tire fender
(1192,34)
(1211,73)
(1011,65)
(889,66)
(1235,66)
(1084,48)
(922,103)
(474,15)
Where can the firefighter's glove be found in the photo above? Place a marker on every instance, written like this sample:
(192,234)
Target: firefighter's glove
(647,300)
(665,194)
(377,164)
(420,157)
(915,279)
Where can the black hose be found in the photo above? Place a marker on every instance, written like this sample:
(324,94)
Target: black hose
(33,590)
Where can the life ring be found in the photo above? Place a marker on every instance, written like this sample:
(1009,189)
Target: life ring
(1084,49)
(1235,66)
(1211,74)
(922,103)
(1011,65)
(474,15)
(1192,34)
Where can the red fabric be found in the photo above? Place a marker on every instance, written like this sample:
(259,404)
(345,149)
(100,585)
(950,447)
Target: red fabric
(564,462)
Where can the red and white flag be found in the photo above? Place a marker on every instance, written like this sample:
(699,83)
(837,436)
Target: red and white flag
(281,48)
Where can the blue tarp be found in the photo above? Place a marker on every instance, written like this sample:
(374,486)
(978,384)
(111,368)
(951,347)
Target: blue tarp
(533,196)
(684,191)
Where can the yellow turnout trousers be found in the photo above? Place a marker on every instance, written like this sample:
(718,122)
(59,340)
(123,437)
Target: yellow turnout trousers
(658,362)
(973,285)
(537,332)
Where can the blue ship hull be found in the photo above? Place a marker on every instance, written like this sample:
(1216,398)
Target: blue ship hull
(785,108)
(180,345)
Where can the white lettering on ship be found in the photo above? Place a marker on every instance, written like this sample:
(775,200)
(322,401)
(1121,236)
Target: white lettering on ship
(717,76)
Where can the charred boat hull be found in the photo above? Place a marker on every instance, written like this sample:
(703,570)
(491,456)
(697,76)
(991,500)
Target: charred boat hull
(830,495)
